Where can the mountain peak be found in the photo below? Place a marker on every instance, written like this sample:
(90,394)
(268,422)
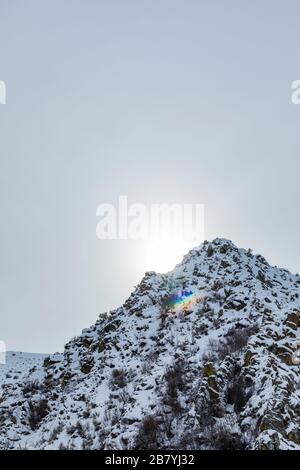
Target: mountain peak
(202,357)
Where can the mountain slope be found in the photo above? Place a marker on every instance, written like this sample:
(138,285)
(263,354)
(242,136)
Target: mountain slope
(17,366)
(201,357)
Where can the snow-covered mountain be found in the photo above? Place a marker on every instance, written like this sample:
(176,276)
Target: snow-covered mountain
(202,357)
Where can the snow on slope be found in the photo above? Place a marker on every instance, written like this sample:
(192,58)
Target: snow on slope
(18,364)
(198,358)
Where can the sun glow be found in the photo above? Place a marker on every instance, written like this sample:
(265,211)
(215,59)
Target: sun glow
(162,254)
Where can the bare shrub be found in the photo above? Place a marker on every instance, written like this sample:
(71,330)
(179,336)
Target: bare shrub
(55,433)
(111,417)
(224,435)
(63,447)
(37,411)
(49,383)
(87,442)
(30,387)
(210,354)
(235,340)
(237,393)
(80,429)
(174,374)
(166,421)
(206,411)
(188,440)
(124,397)
(146,438)
(174,383)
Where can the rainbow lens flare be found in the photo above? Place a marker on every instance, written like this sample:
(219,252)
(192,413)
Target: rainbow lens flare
(184,299)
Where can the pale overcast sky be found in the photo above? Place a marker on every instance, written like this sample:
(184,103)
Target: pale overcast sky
(161,100)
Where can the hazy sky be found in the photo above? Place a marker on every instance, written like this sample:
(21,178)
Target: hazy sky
(160,100)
